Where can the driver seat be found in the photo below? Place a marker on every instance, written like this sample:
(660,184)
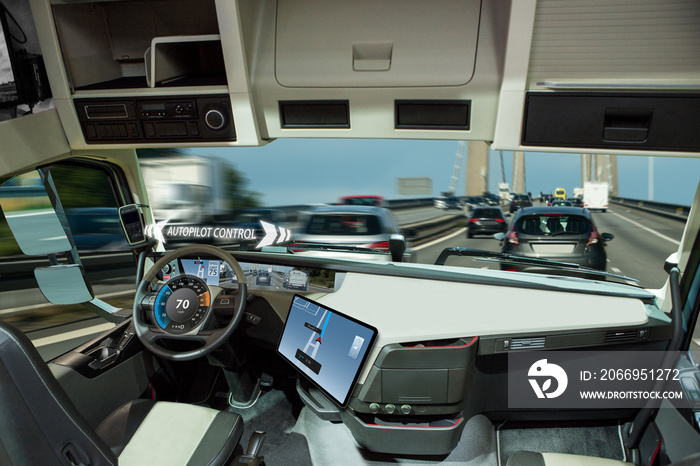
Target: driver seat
(41,425)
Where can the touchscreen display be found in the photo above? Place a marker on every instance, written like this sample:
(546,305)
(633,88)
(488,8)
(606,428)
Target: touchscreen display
(328,347)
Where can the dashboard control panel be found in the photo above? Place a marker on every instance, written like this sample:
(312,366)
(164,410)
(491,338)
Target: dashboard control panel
(156,119)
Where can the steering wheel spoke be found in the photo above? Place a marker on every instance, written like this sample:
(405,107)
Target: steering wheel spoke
(182,304)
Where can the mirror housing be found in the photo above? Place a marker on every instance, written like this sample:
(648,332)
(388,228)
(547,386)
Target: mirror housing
(607,236)
(397,246)
(671,262)
(499,236)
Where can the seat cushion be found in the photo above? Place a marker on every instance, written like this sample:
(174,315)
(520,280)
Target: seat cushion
(531,458)
(163,433)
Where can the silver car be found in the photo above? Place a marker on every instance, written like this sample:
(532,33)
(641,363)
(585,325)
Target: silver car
(348,226)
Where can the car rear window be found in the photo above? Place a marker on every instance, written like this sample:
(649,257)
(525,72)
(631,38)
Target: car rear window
(487,213)
(344,225)
(546,225)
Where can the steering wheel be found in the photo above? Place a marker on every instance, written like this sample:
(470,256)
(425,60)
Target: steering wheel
(183,306)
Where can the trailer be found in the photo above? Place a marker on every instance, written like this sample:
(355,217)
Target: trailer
(185,189)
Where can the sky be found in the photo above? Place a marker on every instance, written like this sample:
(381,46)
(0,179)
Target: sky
(307,171)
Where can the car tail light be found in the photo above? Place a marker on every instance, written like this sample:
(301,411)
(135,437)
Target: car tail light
(473,220)
(511,270)
(293,245)
(594,237)
(512,237)
(501,220)
(382,245)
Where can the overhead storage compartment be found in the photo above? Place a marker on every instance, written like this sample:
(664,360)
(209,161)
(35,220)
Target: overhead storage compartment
(612,120)
(393,43)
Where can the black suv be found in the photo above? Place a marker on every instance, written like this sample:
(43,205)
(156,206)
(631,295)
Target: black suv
(486,220)
(518,201)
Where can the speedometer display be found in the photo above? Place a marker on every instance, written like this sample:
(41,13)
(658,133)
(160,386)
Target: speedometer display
(181,304)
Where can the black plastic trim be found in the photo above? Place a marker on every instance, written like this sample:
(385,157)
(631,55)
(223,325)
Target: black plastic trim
(612,120)
(320,114)
(432,114)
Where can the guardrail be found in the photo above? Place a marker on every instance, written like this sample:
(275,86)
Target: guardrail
(433,228)
(673,211)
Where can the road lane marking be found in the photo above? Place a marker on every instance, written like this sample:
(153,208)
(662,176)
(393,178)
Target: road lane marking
(439,240)
(114,294)
(676,242)
(73,334)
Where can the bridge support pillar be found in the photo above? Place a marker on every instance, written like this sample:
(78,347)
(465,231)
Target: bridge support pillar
(519,172)
(477,181)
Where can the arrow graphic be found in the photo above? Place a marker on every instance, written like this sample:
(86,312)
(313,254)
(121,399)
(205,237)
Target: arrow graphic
(273,235)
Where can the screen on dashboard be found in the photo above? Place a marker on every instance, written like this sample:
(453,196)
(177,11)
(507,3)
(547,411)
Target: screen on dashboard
(328,347)
(206,269)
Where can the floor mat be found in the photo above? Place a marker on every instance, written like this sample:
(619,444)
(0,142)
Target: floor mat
(274,414)
(333,444)
(601,442)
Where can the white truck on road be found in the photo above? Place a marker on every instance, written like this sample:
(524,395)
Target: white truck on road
(595,195)
(185,189)
(297,279)
(504,193)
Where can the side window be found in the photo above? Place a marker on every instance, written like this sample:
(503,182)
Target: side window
(89,200)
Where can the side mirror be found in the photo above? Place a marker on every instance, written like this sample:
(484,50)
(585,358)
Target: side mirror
(397,246)
(607,236)
(671,262)
(499,236)
(63,284)
(31,216)
(409,232)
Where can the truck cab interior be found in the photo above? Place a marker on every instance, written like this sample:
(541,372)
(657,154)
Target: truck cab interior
(235,345)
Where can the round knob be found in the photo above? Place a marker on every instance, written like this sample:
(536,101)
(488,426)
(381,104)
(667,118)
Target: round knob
(406,409)
(215,119)
(374,408)
(390,408)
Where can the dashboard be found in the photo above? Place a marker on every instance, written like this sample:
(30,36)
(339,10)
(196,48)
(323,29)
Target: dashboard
(259,277)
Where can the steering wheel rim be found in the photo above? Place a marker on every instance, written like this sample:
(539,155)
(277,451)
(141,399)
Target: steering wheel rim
(212,340)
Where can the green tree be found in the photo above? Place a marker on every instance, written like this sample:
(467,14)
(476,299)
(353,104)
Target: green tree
(237,195)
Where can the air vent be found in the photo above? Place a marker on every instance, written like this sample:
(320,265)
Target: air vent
(621,336)
(432,114)
(527,343)
(315,114)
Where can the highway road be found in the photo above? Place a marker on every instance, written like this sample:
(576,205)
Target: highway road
(642,243)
